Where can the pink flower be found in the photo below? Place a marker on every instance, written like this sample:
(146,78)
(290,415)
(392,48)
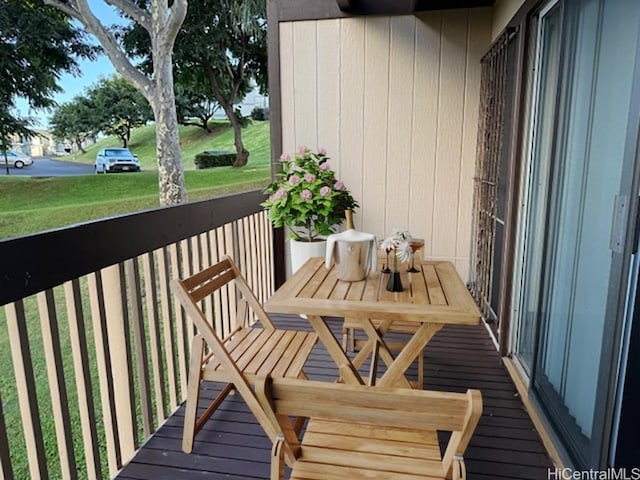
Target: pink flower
(309,177)
(306,195)
(325,191)
(294,179)
(285,157)
(339,185)
(322,151)
(325,166)
(282,193)
(302,149)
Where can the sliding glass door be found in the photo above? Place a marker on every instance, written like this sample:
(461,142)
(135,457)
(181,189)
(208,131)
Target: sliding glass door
(576,194)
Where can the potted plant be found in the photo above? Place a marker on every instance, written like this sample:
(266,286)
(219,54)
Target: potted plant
(309,200)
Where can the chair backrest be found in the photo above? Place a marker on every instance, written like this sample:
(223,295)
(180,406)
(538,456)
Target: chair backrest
(192,290)
(400,407)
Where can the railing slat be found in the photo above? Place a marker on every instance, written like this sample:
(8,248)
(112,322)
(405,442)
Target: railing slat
(57,383)
(151,296)
(206,262)
(180,258)
(113,283)
(6,470)
(253,242)
(227,320)
(82,368)
(103,361)
(142,359)
(26,386)
(167,326)
(215,258)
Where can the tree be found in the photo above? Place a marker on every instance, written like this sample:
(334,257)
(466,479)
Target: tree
(37,45)
(224,40)
(194,106)
(118,108)
(161,20)
(74,121)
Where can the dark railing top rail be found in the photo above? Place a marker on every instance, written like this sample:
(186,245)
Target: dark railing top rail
(34,263)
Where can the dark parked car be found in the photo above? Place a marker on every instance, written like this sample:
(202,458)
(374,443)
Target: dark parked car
(116,160)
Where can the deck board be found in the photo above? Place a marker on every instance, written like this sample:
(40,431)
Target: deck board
(232,445)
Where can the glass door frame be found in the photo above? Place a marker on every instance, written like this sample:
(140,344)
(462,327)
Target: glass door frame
(531,115)
(619,292)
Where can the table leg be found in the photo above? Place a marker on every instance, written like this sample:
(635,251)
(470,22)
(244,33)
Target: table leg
(373,371)
(367,347)
(347,371)
(383,350)
(411,350)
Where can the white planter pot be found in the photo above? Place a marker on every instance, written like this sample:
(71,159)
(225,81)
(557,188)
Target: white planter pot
(302,251)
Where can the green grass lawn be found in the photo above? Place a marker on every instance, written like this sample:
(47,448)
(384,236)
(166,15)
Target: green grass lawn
(36,204)
(193,140)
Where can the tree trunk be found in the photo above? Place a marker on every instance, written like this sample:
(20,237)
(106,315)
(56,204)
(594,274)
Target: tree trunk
(242,155)
(170,172)
(79,145)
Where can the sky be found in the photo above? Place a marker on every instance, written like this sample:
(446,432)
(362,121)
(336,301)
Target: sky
(90,71)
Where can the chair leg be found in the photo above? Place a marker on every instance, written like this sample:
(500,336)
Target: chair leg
(345,336)
(421,370)
(193,390)
(352,336)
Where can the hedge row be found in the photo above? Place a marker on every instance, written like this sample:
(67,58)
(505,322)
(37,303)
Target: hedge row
(214,158)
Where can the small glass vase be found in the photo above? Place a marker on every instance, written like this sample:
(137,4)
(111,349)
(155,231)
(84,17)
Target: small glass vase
(394,284)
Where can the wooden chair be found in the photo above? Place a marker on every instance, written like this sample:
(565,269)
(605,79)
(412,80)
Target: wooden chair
(244,354)
(365,432)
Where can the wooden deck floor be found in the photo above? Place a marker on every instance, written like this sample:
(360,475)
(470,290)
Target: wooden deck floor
(233,446)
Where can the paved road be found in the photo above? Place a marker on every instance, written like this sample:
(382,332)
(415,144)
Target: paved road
(45,167)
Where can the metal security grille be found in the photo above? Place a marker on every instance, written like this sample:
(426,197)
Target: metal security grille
(493,102)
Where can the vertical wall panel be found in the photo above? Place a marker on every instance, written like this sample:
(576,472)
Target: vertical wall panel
(395,104)
(328,34)
(305,83)
(352,104)
(376,113)
(286,87)
(424,141)
(400,121)
(450,118)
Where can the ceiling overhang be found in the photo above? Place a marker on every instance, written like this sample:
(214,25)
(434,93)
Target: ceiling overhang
(405,7)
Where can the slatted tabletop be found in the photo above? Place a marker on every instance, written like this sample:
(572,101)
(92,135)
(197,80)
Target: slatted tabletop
(432,297)
(435,294)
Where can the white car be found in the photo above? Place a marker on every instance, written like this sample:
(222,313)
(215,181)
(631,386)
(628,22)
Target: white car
(116,160)
(15,159)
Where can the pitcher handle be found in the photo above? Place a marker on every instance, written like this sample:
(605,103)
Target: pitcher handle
(329,254)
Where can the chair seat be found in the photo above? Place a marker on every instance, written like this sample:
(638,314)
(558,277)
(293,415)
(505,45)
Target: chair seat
(333,449)
(260,352)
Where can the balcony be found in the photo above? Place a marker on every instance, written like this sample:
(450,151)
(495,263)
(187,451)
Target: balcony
(95,354)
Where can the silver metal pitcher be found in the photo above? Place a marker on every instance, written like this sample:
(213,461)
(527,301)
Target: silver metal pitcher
(354,254)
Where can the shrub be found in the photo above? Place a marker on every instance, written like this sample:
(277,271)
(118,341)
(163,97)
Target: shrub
(214,158)
(244,121)
(260,114)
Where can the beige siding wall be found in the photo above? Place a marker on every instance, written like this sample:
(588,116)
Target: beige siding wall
(394,100)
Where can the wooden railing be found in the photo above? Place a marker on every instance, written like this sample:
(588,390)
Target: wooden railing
(93,349)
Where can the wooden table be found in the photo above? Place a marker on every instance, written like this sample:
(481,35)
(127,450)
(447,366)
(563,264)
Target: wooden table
(432,298)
